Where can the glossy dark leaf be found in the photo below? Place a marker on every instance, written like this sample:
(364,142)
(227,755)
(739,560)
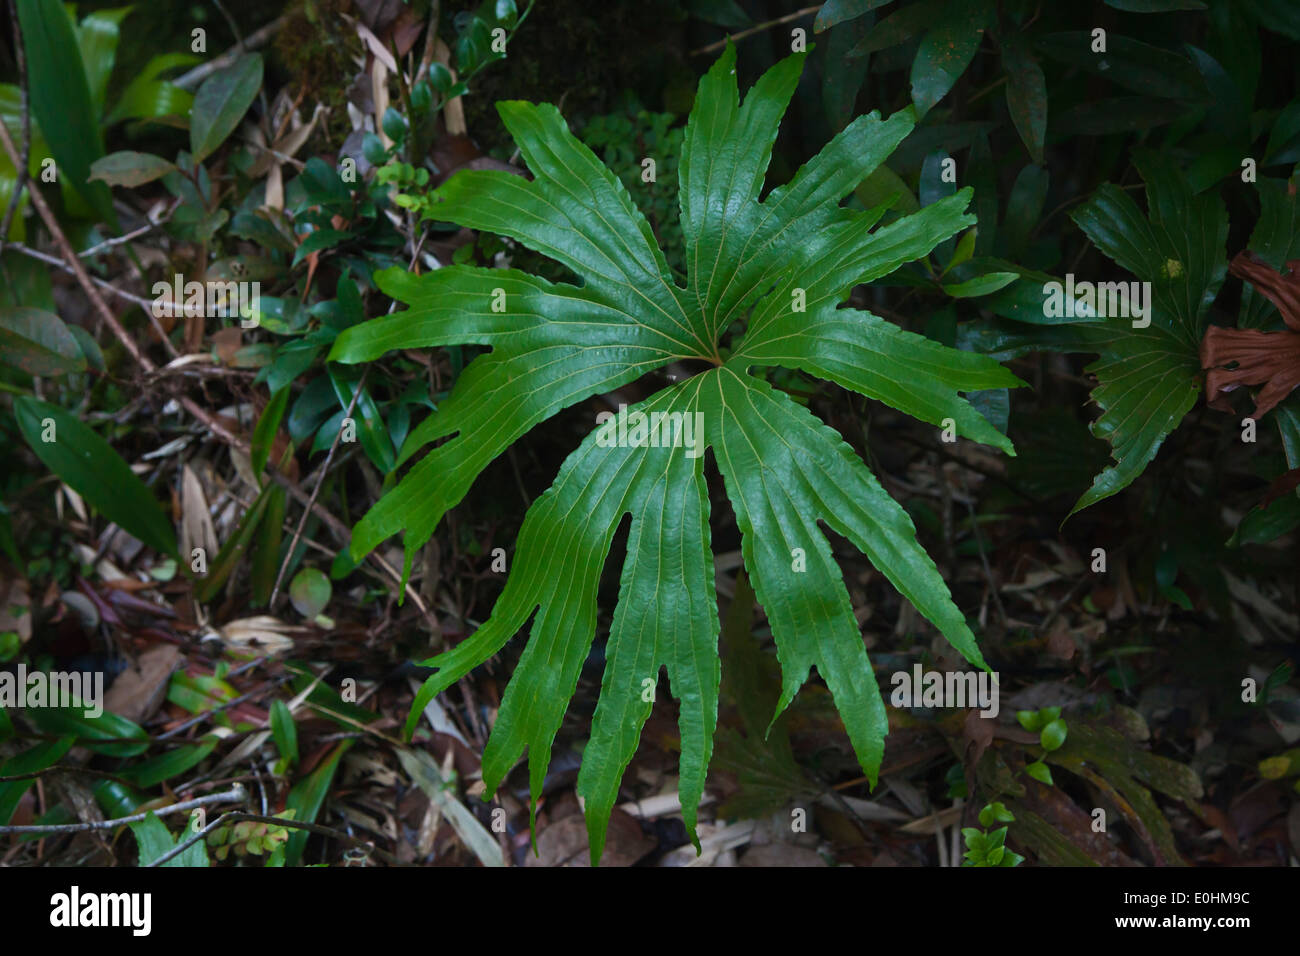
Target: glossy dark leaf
(38,343)
(128,168)
(1026,94)
(946,51)
(221,103)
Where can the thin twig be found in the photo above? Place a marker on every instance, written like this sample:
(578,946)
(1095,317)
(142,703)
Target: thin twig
(430,42)
(70,256)
(235,794)
(149,226)
(58,263)
(258,38)
(234,27)
(732,37)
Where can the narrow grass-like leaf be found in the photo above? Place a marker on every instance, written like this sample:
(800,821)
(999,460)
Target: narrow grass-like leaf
(39,757)
(308,796)
(94,470)
(104,733)
(61,100)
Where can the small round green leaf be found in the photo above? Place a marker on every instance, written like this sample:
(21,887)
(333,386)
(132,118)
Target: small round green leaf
(1040,772)
(1029,719)
(1053,735)
(394,125)
(310,592)
(440,77)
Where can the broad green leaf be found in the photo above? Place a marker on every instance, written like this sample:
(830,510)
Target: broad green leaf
(1284,137)
(838,11)
(1262,524)
(1287,416)
(319,240)
(1149,378)
(946,51)
(61,99)
(97,36)
(902,24)
(148,97)
(763,286)
(312,407)
(116,799)
(94,470)
(841,86)
(38,342)
(980,285)
(1140,67)
(964,250)
(1024,209)
(1179,246)
(1276,239)
(221,103)
(155,840)
(129,168)
(1026,94)
(11,116)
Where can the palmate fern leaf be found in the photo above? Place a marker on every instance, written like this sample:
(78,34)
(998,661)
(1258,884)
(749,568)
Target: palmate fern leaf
(784,470)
